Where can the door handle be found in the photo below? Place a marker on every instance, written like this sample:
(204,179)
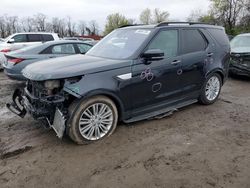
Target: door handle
(175,62)
(210,54)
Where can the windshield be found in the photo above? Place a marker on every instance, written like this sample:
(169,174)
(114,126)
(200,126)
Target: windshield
(240,44)
(120,44)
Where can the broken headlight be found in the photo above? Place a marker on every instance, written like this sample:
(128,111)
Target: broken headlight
(51,86)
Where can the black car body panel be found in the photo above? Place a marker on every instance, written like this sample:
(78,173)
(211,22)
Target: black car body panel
(140,87)
(75,65)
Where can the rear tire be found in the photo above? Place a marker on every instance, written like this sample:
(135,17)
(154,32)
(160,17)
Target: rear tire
(211,89)
(93,119)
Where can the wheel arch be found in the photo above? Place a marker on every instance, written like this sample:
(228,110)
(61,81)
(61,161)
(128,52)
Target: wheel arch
(111,96)
(218,71)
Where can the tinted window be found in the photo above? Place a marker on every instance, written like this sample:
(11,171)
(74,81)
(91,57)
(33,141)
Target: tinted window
(48,38)
(167,41)
(20,38)
(34,38)
(220,36)
(63,49)
(192,41)
(83,48)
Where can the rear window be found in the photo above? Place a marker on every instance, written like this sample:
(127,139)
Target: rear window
(34,38)
(48,38)
(192,41)
(220,36)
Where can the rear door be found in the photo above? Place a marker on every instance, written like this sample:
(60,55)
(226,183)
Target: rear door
(34,39)
(196,52)
(156,84)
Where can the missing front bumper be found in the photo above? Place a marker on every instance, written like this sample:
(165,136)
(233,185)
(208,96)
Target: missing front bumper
(20,105)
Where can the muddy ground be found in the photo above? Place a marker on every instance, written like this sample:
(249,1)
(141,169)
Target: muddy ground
(199,146)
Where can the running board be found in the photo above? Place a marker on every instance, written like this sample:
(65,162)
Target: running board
(161,113)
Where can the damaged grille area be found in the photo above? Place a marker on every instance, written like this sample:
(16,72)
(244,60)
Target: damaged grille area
(40,103)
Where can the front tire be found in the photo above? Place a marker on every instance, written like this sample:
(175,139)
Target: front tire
(93,119)
(211,89)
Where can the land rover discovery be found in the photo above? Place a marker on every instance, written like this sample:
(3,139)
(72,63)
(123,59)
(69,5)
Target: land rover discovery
(134,73)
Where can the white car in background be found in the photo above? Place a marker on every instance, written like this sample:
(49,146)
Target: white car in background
(20,40)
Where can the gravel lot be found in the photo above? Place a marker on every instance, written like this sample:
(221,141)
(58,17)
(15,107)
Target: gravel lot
(199,146)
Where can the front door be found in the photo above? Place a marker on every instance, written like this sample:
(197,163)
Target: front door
(155,84)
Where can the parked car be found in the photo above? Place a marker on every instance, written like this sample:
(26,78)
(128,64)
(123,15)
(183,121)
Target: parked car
(20,40)
(152,71)
(18,60)
(240,55)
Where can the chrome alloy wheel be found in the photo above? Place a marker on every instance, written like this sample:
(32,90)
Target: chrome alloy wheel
(96,121)
(212,88)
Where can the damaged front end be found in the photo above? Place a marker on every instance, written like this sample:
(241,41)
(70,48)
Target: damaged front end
(44,100)
(240,64)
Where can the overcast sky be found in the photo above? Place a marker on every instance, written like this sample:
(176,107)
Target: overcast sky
(99,9)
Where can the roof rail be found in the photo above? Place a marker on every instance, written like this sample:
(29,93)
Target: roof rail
(129,25)
(173,23)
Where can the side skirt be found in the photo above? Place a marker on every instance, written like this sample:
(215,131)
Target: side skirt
(160,112)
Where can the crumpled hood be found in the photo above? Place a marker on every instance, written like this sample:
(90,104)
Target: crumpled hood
(70,66)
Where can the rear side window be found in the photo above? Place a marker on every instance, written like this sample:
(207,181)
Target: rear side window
(83,48)
(192,41)
(63,49)
(20,38)
(47,38)
(34,38)
(220,36)
(167,41)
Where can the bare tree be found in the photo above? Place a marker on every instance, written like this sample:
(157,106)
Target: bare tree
(195,15)
(146,16)
(2,27)
(71,30)
(40,21)
(160,16)
(93,27)
(58,26)
(228,11)
(27,24)
(81,27)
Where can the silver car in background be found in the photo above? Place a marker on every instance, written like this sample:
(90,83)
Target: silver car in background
(18,60)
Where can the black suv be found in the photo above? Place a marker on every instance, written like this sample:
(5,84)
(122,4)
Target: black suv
(134,73)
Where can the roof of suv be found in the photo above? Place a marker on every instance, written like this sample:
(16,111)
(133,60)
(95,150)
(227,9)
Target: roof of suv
(174,24)
(36,33)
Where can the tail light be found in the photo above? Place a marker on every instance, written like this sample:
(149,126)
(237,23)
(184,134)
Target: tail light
(15,60)
(5,50)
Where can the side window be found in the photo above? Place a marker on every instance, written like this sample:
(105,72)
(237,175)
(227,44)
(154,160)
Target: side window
(83,48)
(34,38)
(20,38)
(47,38)
(220,36)
(192,41)
(63,49)
(167,41)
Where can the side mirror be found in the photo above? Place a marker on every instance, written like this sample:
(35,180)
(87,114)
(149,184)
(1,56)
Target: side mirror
(153,55)
(11,41)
